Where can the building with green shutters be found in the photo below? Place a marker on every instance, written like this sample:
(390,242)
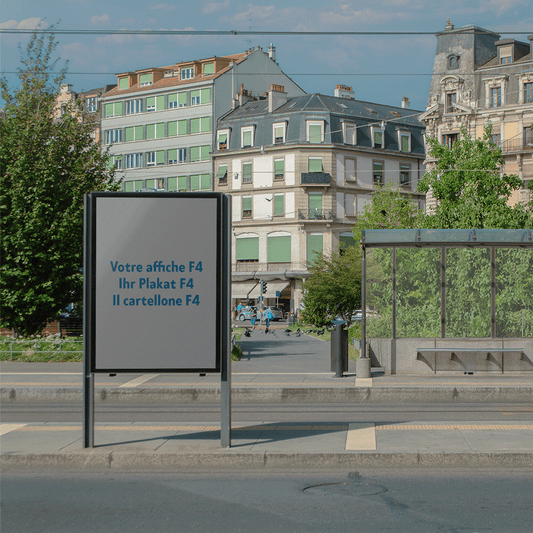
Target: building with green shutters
(299,170)
(159,122)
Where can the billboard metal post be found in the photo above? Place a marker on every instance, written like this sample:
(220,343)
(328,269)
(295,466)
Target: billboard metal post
(225,375)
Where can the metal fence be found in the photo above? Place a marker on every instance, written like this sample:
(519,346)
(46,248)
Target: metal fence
(9,348)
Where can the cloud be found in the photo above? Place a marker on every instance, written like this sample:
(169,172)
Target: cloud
(26,24)
(213,7)
(165,7)
(100,19)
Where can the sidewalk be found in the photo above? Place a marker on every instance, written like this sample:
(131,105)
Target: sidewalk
(273,370)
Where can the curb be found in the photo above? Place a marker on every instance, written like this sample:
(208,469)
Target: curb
(274,395)
(95,461)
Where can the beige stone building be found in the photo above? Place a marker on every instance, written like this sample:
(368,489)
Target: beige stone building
(480,78)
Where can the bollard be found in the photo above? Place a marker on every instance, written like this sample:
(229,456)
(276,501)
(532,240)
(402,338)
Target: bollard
(339,348)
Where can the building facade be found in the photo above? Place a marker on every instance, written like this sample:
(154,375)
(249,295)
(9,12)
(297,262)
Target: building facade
(158,123)
(299,170)
(479,78)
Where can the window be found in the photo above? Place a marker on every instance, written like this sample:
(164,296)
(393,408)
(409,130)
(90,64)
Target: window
(315,164)
(200,182)
(314,203)
(449,139)
(123,83)
(495,97)
(133,185)
(350,169)
(377,172)
(134,160)
(247,172)
(186,73)
(113,110)
(246,207)
(279,249)
(145,79)
(200,153)
(405,173)
(528,138)
(278,132)
(453,62)
(209,68)
(155,158)
(315,131)
(279,205)
(404,140)
(377,138)
(113,136)
(155,103)
(279,169)
(528,96)
(247,139)
(201,96)
(116,162)
(201,125)
(315,245)
(222,140)
(496,138)
(156,184)
(247,249)
(177,100)
(222,175)
(451,99)
(155,131)
(134,133)
(177,155)
(92,104)
(134,106)
(349,132)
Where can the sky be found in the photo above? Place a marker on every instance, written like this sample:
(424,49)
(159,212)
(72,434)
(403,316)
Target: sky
(380,68)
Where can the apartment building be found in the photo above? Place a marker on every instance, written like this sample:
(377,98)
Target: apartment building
(299,170)
(158,122)
(480,78)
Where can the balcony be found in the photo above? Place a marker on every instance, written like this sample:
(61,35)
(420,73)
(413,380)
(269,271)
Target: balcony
(316,214)
(315,178)
(516,145)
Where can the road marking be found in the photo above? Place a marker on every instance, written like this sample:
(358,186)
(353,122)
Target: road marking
(361,436)
(6,428)
(139,381)
(363,382)
(499,427)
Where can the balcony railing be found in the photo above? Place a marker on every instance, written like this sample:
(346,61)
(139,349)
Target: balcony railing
(251,266)
(315,178)
(516,145)
(316,214)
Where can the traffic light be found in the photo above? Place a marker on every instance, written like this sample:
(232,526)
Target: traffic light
(263,287)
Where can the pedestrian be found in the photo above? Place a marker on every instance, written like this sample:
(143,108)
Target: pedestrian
(268,317)
(253,316)
(239,308)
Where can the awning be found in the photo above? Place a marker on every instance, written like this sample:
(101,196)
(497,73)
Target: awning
(242,289)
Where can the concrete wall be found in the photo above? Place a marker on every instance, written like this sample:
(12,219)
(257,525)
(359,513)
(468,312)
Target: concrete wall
(400,356)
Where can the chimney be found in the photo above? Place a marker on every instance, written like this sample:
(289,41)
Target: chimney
(272,52)
(276,97)
(405,103)
(244,96)
(449,26)
(343,91)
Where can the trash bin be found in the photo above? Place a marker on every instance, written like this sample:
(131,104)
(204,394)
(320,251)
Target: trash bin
(339,348)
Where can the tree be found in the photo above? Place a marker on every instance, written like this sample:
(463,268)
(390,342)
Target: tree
(333,288)
(469,188)
(46,167)
(388,209)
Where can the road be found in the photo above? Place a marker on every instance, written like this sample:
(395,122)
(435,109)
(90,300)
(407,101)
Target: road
(428,501)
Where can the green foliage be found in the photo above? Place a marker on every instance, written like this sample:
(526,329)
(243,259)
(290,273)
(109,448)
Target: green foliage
(469,189)
(333,288)
(41,350)
(389,209)
(46,167)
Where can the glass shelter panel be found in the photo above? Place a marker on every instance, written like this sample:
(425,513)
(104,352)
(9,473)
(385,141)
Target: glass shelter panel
(418,292)
(379,293)
(468,292)
(514,292)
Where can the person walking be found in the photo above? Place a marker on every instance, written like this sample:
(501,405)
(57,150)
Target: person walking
(253,316)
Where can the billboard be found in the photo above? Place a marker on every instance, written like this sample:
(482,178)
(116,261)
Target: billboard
(154,284)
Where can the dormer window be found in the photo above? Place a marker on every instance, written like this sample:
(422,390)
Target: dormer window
(349,133)
(247,137)
(451,99)
(378,137)
(278,133)
(222,140)
(453,62)
(404,141)
(506,53)
(145,79)
(187,73)
(315,131)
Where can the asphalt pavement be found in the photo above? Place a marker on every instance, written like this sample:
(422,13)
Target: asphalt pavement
(275,368)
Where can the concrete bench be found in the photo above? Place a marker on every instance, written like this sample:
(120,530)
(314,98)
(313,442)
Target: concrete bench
(455,351)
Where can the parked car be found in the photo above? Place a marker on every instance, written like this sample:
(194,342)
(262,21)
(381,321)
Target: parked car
(245,313)
(276,312)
